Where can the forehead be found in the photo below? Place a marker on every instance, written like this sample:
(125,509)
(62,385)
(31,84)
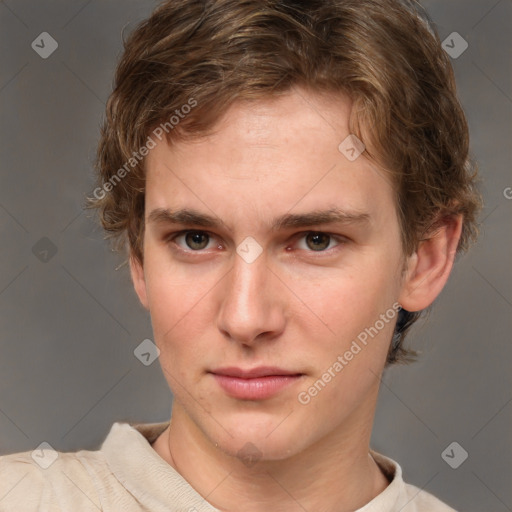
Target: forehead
(267,156)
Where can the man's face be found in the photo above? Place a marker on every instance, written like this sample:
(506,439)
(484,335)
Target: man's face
(250,293)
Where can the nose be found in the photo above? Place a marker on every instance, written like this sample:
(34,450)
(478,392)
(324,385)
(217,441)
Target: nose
(252,306)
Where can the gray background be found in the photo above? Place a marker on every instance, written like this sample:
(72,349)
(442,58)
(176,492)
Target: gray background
(69,325)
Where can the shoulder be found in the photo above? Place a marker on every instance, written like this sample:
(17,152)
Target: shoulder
(19,481)
(400,495)
(424,501)
(45,480)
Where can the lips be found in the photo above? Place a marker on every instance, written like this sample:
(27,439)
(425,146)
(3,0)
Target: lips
(260,371)
(256,383)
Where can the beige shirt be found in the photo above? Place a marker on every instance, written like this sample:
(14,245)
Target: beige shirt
(127,475)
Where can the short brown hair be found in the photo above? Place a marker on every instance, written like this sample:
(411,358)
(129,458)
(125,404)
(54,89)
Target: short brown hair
(384,54)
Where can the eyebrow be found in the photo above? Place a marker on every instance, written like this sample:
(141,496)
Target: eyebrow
(191,217)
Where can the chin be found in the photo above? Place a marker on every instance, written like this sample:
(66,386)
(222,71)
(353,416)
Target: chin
(250,451)
(260,438)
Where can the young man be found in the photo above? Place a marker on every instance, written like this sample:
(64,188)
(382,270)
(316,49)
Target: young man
(293,183)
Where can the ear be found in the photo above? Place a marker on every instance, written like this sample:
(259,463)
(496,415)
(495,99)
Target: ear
(429,267)
(139,281)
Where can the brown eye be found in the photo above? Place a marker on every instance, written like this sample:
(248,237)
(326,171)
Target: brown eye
(196,240)
(318,241)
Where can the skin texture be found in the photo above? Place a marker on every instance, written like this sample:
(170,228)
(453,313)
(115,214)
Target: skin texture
(293,307)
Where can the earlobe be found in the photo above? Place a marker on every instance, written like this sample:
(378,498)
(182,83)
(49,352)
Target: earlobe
(429,267)
(139,280)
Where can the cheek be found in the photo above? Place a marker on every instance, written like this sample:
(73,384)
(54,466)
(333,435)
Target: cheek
(351,304)
(350,299)
(346,364)
(178,301)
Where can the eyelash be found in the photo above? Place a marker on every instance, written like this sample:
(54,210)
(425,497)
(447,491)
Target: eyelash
(337,238)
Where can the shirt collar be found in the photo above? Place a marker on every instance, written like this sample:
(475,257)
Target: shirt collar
(139,468)
(157,484)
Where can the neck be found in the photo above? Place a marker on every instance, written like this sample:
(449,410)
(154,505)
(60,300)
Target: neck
(337,473)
